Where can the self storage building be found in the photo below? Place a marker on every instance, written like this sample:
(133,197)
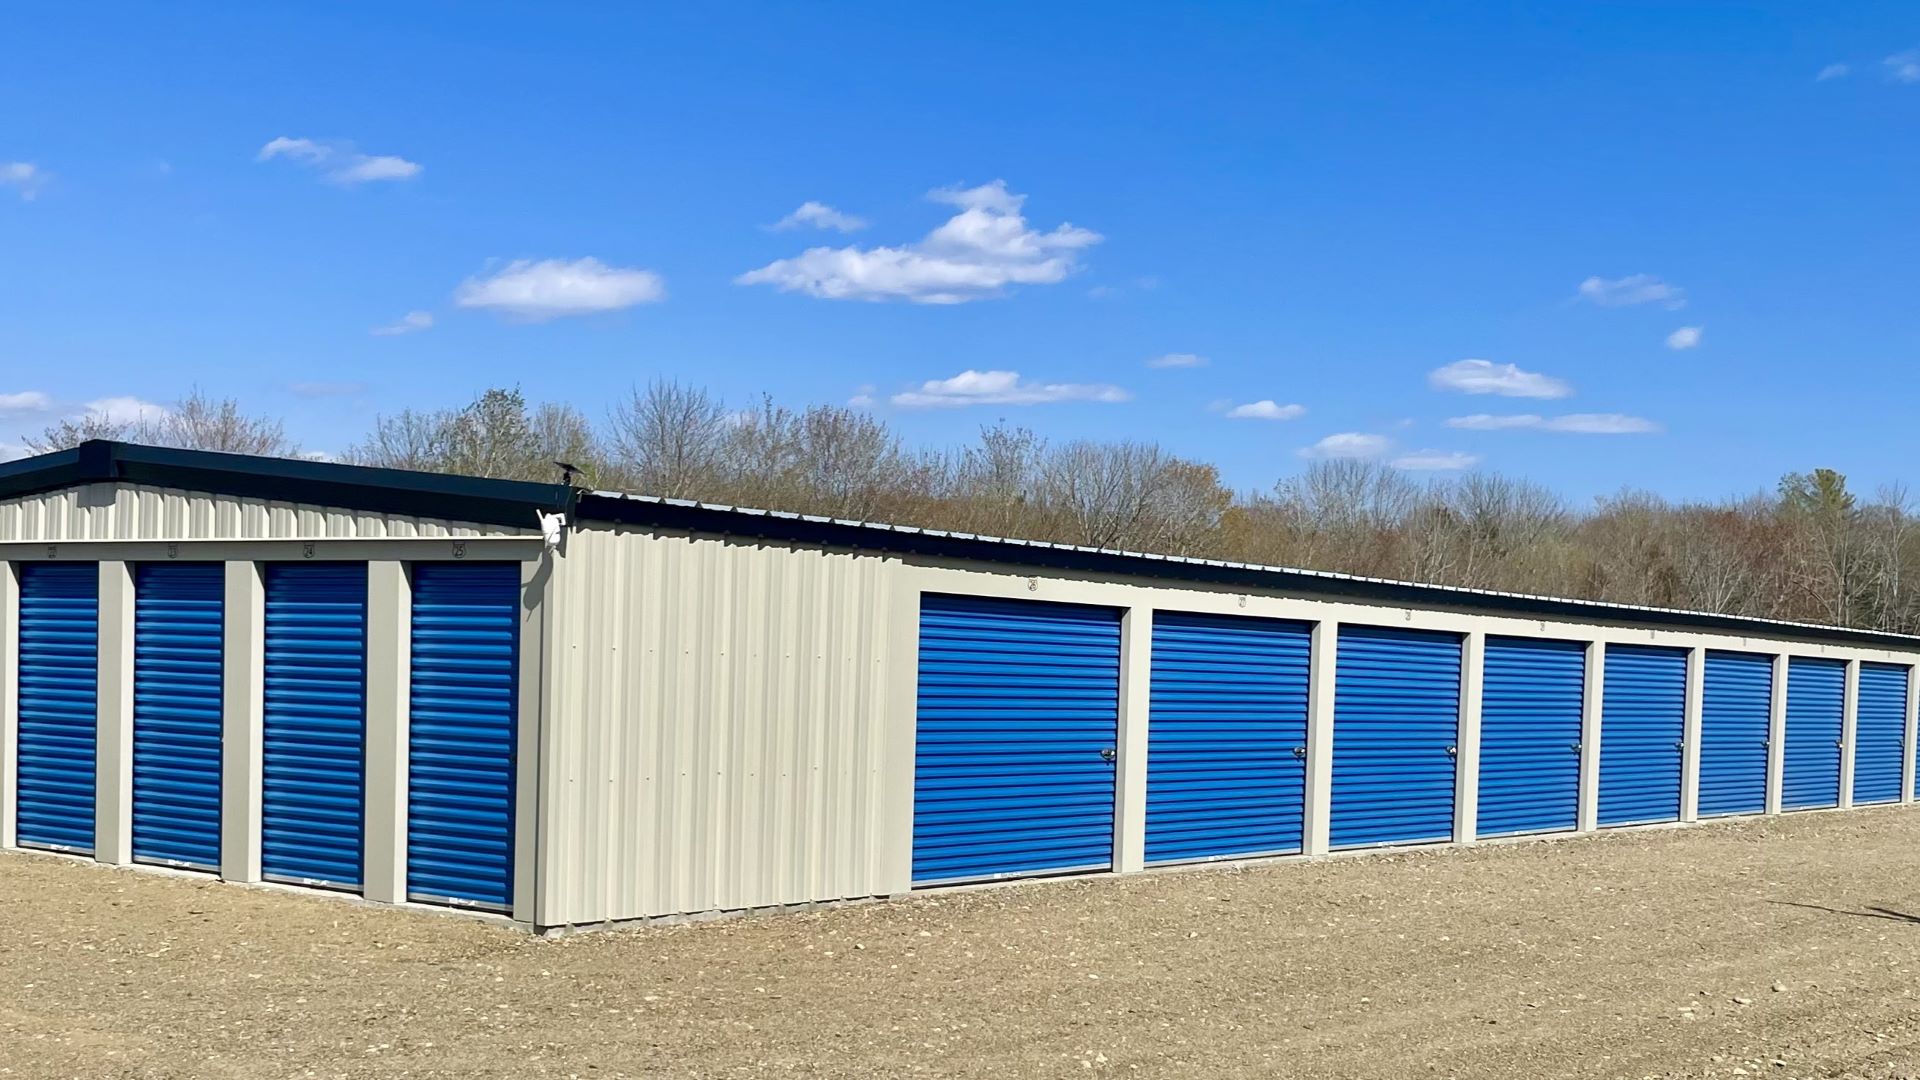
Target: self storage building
(575,708)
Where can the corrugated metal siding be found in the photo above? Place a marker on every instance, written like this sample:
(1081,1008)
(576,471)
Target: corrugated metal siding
(136,512)
(462,732)
(1227,738)
(1642,719)
(1736,712)
(1816,706)
(178,611)
(1880,733)
(720,745)
(1396,717)
(1019,708)
(314,724)
(58,703)
(1531,699)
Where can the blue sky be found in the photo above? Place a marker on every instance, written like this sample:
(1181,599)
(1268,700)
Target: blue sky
(1333,205)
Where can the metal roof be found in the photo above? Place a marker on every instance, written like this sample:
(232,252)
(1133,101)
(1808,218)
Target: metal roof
(517,503)
(682,514)
(322,483)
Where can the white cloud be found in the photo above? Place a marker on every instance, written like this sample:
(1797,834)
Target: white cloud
(124,410)
(1833,71)
(862,398)
(1485,422)
(1684,338)
(409,323)
(339,162)
(1903,67)
(1348,444)
(1266,410)
(975,255)
(25,177)
(819,215)
(26,401)
(1002,388)
(1436,460)
(551,288)
(1177,360)
(1487,377)
(1632,289)
(1570,423)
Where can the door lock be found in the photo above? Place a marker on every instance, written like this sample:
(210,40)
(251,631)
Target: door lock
(1300,752)
(1107,755)
(1453,751)
(1575,747)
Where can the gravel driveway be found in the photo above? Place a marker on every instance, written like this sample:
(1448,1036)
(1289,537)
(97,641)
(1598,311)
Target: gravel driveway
(1780,948)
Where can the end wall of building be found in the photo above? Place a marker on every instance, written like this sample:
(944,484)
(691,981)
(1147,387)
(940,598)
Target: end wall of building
(717,733)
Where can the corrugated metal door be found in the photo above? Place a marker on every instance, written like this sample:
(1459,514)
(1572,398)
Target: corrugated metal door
(1880,733)
(177,636)
(1226,744)
(1396,719)
(1736,711)
(314,750)
(59,714)
(1816,707)
(1530,704)
(462,733)
(1019,705)
(1642,720)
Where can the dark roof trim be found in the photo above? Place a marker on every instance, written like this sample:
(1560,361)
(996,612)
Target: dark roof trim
(512,503)
(791,528)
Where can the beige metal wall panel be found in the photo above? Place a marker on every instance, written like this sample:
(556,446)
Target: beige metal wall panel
(137,512)
(718,720)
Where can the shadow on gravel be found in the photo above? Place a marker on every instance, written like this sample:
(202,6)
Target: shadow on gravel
(1869,913)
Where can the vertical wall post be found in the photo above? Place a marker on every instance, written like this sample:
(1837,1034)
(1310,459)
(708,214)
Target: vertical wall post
(1466,758)
(1588,813)
(389,675)
(9,702)
(1317,826)
(1907,744)
(113,775)
(531,714)
(1849,728)
(243,699)
(1130,765)
(1690,734)
(1777,734)
(897,760)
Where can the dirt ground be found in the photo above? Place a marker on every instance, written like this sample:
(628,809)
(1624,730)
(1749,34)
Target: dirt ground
(1782,948)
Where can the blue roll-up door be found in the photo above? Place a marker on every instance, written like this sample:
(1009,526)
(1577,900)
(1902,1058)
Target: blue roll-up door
(1643,709)
(314,745)
(1880,733)
(1019,705)
(59,715)
(1816,709)
(1226,744)
(1531,697)
(1396,719)
(178,611)
(462,733)
(1735,715)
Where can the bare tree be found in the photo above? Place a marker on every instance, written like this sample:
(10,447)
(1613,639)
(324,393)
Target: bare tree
(195,422)
(668,440)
